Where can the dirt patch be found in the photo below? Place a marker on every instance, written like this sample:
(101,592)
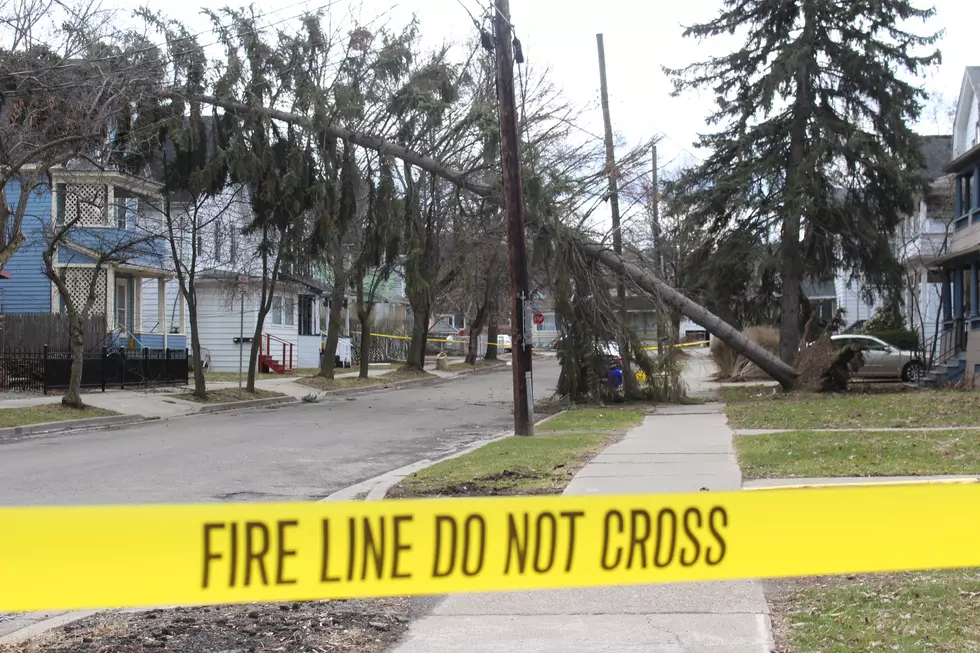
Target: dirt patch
(352,626)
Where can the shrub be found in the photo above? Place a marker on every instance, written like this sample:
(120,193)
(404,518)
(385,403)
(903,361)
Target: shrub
(732,365)
(907,339)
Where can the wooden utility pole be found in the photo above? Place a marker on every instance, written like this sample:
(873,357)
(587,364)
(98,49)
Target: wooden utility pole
(624,345)
(658,252)
(513,196)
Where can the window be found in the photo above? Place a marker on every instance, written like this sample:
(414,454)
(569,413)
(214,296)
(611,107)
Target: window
(289,311)
(232,247)
(121,303)
(306,326)
(59,191)
(277,310)
(218,241)
(124,208)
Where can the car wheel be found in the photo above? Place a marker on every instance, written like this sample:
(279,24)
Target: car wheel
(912,372)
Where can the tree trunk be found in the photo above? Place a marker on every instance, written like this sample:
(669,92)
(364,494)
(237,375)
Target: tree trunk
(777,369)
(200,387)
(364,311)
(492,331)
(334,324)
(420,334)
(476,328)
(73,396)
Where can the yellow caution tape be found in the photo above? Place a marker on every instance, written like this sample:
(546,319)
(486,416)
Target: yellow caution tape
(455,342)
(102,557)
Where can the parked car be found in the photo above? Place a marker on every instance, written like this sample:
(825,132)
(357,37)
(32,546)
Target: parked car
(881,360)
(608,350)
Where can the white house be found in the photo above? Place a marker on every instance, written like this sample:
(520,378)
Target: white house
(229,289)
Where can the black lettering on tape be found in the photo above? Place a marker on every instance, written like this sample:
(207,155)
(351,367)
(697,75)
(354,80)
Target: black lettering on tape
(442,520)
(373,548)
(605,540)
(233,558)
(545,517)
(657,560)
(351,541)
(717,511)
(253,555)
(209,555)
(515,543)
(691,512)
(467,544)
(639,522)
(571,516)
(282,553)
(399,546)
(325,576)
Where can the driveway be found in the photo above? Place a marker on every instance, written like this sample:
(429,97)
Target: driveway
(294,453)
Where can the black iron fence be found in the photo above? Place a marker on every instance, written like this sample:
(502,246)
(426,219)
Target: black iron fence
(43,370)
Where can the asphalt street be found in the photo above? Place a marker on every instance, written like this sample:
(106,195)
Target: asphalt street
(293,453)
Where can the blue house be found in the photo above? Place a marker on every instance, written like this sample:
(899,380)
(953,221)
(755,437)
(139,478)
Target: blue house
(957,269)
(115,231)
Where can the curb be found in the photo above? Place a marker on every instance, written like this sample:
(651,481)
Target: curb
(17,432)
(376,489)
(430,380)
(248,403)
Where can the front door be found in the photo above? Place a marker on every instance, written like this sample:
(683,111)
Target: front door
(122,304)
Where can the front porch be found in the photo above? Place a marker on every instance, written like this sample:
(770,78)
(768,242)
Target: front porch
(959,283)
(141,313)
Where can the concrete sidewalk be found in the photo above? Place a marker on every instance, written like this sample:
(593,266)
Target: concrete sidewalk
(678,449)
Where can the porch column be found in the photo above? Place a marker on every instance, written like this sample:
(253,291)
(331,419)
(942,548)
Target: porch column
(976,186)
(974,290)
(180,302)
(162,308)
(958,186)
(958,293)
(947,281)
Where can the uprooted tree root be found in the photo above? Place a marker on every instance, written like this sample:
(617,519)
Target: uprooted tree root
(823,367)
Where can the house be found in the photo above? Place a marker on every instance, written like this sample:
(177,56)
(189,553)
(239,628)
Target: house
(956,269)
(108,210)
(922,237)
(229,288)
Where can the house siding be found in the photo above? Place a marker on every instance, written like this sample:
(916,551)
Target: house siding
(28,290)
(219,320)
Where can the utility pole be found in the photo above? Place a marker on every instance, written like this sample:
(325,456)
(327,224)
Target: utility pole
(624,345)
(657,251)
(513,189)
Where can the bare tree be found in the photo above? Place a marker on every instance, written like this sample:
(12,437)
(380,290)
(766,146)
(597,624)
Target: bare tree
(81,288)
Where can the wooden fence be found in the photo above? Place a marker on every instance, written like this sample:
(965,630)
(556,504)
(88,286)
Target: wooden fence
(35,330)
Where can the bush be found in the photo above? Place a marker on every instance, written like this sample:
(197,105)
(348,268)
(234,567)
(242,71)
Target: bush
(732,365)
(907,339)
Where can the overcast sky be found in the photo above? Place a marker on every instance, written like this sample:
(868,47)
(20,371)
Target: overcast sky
(640,37)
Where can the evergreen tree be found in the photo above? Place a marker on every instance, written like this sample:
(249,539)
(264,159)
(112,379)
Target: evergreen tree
(813,138)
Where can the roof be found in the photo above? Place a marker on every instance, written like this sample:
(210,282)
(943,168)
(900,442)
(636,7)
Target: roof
(819,289)
(973,74)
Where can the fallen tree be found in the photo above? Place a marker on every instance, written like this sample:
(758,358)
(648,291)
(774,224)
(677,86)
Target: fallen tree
(777,369)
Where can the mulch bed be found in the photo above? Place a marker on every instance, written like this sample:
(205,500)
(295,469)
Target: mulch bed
(349,626)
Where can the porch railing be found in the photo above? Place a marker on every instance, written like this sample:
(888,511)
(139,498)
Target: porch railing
(271,342)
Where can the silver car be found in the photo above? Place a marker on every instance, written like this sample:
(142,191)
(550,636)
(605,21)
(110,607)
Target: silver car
(881,360)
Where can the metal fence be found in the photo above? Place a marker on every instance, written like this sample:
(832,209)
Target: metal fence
(43,370)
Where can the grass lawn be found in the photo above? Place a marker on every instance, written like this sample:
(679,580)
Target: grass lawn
(805,454)
(760,408)
(346,383)
(48,413)
(543,464)
(593,419)
(233,376)
(226,395)
(926,611)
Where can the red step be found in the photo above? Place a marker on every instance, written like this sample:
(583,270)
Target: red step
(271,363)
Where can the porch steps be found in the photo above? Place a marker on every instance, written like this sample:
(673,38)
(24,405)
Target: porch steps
(944,373)
(273,365)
